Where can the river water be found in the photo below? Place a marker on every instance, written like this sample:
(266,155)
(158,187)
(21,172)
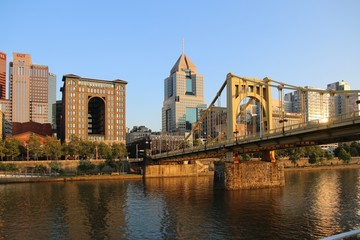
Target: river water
(313,204)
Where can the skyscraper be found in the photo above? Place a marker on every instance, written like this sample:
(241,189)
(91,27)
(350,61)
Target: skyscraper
(2,75)
(28,88)
(52,99)
(183,97)
(93,109)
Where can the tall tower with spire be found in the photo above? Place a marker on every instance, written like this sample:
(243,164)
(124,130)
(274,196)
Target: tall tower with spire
(183,97)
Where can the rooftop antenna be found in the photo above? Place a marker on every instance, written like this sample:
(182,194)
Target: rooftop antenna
(182,46)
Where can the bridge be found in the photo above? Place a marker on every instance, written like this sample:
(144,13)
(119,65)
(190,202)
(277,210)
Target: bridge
(255,122)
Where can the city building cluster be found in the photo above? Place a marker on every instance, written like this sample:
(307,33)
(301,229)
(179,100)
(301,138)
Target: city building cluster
(95,109)
(91,109)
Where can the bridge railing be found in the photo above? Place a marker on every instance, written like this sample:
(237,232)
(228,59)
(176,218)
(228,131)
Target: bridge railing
(287,130)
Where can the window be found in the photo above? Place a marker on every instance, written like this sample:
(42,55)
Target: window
(191,117)
(189,82)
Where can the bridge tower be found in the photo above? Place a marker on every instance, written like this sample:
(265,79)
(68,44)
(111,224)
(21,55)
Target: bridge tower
(240,88)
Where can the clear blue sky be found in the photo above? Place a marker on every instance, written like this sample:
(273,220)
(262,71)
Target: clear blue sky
(304,43)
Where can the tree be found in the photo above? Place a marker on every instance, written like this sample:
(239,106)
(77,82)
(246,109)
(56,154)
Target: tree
(313,158)
(52,148)
(245,157)
(295,154)
(344,155)
(73,146)
(2,149)
(328,155)
(12,148)
(104,151)
(34,146)
(86,149)
(118,151)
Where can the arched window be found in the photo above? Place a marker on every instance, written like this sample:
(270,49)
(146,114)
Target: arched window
(96,116)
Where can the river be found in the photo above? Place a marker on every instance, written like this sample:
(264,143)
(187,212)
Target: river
(313,204)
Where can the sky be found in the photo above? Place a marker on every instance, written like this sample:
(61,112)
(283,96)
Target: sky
(303,43)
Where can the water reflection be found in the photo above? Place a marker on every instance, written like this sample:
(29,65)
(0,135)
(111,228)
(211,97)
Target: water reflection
(313,204)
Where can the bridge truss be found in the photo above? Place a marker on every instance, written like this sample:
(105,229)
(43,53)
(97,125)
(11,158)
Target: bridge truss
(253,121)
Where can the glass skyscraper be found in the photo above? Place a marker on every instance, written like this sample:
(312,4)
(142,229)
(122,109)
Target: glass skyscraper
(183,97)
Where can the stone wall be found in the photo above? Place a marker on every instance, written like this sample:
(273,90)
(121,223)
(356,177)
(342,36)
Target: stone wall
(67,165)
(250,175)
(178,170)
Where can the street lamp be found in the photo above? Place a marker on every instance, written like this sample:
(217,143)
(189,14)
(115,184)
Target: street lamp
(283,121)
(236,135)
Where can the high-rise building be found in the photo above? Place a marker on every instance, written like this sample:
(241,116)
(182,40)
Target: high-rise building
(52,99)
(28,90)
(2,75)
(339,100)
(93,109)
(316,105)
(183,97)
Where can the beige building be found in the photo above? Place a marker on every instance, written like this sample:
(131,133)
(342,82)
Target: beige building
(28,90)
(2,75)
(93,109)
(183,97)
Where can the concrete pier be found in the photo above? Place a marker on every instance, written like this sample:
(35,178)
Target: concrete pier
(250,175)
(177,170)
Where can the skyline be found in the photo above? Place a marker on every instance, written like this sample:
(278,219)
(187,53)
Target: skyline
(300,43)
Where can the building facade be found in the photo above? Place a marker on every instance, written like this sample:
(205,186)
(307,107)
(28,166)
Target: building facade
(183,97)
(28,90)
(2,75)
(93,109)
(314,106)
(52,99)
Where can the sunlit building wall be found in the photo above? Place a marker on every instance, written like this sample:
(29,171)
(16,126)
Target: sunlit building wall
(183,97)
(2,75)
(28,90)
(93,109)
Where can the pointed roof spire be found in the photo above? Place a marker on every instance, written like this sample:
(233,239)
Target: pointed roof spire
(182,46)
(183,63)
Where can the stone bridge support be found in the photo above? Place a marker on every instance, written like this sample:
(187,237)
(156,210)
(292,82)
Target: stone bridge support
(250,175)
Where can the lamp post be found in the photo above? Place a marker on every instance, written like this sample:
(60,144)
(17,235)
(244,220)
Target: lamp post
(283,121)
(236,135)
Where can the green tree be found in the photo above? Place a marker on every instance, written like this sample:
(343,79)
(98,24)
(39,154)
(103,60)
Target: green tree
(40,169)
(2,149)
(12,148)
(118,151)
(313,158)
(328,155)
(104,151)
(73,146)
(355,149)
(245,157)
(344,155)
(86,149)
(52,148)
(34,146)
(295,154)
(86,166)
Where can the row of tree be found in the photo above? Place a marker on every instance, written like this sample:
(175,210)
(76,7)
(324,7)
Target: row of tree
(52,148)
(316,154)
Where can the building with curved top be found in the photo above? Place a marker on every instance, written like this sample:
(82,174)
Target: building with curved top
(93,109)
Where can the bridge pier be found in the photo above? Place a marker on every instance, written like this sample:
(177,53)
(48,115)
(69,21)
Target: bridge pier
(250,175)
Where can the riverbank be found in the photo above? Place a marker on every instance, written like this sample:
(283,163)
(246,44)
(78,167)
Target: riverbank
(303,166)
(323,167)
(4,180)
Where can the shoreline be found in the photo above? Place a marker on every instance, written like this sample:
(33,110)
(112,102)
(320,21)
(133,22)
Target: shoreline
(9,180)
(323,167)
(6,180)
